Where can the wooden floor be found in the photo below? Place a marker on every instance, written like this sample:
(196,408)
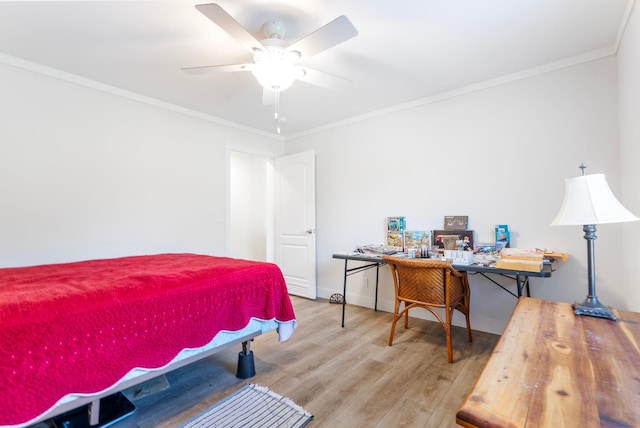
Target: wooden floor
(346,377)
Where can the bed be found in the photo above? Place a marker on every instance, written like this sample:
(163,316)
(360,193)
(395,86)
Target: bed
(73,333)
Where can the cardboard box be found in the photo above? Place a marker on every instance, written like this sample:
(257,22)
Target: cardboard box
(523,265)
(464,258)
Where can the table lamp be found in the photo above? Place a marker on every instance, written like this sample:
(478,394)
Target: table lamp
(588,201)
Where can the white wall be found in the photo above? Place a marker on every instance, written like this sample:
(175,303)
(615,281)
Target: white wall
(248,205)
(498,155)
(629,84)
(87,174)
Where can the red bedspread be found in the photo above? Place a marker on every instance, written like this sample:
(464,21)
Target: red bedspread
(79,327)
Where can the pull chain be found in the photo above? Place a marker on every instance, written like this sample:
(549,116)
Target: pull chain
(277,112)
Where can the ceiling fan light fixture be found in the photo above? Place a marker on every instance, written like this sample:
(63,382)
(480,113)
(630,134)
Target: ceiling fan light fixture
(274,70)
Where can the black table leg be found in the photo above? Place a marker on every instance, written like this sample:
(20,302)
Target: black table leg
(375,306)
(522,282)
(344,291)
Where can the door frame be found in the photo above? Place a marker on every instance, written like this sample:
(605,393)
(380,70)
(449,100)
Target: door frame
(269,158)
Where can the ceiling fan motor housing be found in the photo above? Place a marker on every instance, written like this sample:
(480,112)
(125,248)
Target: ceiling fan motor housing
(274,29)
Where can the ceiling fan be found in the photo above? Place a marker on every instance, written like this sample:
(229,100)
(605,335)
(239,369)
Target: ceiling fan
(275,61)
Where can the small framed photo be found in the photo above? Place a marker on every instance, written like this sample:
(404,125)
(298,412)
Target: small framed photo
(453,239)
(456,222)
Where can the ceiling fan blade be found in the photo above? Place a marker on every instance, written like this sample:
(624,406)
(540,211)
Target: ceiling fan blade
(268,97)
(332,34)
(208,69)
(225,21)
(325,80)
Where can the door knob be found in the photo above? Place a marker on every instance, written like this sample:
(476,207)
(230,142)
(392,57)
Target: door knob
(309,231)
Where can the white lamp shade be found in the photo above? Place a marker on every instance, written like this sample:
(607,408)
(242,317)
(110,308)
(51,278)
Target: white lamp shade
(589,200)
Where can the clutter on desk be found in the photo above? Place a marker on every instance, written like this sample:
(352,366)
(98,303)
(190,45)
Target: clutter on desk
(553,255)
(488,248)
(525,259)
(376,249)
(486,260)
(486,253)
(455,242)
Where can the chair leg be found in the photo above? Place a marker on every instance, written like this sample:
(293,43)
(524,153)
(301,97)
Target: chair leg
(393,329)
(396,316)
(449,346)
(406,315)
(464,310)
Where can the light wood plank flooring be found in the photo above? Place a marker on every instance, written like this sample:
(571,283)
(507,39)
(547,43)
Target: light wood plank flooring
(346,377)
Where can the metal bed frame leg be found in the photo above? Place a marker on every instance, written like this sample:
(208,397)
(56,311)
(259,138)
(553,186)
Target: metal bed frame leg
(94,412)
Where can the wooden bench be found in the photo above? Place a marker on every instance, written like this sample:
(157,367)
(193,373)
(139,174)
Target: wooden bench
(552,368)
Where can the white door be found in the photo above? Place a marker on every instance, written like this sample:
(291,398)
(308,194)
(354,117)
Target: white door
(295,222)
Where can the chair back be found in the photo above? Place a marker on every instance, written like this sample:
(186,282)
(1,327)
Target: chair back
(425,280)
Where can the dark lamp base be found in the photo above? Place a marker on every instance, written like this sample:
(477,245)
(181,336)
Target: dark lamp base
(592,309)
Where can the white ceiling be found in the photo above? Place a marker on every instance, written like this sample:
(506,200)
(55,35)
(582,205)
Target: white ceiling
(406,50)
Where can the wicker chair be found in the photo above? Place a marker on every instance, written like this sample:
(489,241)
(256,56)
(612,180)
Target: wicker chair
(429,284)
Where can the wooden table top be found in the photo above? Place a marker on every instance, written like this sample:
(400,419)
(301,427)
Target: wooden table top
(552,368)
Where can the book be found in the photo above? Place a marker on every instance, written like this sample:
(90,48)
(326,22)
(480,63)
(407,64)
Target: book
(396,224)
(502,234)
(395,232)
(417,239)
(394,240)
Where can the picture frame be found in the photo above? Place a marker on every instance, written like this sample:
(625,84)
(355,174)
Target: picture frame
(448,239)
(456,222)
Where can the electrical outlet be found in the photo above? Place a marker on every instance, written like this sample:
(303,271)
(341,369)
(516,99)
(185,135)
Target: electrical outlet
(365,282)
